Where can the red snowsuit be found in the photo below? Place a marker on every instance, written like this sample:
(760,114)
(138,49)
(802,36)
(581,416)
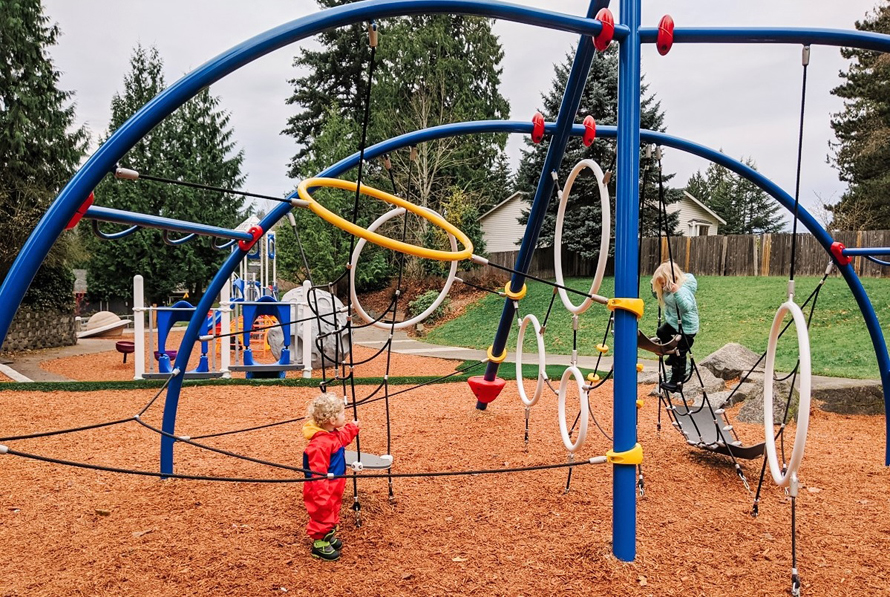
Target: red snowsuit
(325,453)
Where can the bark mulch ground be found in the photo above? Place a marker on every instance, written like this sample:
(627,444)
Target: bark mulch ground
(75,531)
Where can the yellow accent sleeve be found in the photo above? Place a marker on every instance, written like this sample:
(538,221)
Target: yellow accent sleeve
(632,456)
(634,305)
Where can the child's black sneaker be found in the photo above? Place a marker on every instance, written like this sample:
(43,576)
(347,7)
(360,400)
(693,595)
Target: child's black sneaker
(333,540)
(671,386)
(322,549)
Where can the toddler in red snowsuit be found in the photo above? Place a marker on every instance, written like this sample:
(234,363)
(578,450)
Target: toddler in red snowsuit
(328,435)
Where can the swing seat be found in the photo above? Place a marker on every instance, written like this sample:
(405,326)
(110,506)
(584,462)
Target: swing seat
(369,461)
(653,346)
(701,431)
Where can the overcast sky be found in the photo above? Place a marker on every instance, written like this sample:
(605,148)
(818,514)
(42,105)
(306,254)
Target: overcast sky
(744,99)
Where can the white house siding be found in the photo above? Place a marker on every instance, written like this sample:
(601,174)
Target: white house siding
(501,228)
(690,211)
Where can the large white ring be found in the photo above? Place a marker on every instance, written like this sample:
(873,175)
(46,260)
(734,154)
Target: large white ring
(354,261)
(585,410)
(542,358)
(604,239)
(803,411)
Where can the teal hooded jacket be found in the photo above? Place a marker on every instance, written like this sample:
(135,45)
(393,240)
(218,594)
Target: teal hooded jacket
(684,298)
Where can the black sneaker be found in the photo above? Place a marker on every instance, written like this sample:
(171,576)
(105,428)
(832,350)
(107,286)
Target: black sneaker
(322,549)
(333,540)
(671,386)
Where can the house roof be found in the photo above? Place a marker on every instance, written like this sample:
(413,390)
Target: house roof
(501,204)
(704,207)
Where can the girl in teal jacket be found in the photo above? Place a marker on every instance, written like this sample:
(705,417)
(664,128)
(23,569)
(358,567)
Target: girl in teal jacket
(675,292)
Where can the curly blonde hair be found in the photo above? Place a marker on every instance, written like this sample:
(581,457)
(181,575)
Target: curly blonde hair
(323,408)
(666,274)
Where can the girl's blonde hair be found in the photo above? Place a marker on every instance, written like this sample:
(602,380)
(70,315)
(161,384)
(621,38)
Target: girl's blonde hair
(323,408)
(667,273)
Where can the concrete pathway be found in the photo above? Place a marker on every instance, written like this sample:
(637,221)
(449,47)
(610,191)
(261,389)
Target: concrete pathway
(26,366)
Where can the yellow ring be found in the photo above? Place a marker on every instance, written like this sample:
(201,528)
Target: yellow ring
(495,359)
(379,239)
(516,296)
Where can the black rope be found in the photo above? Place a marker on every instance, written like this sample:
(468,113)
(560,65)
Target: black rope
(321,476)
(803,103)
(204,187)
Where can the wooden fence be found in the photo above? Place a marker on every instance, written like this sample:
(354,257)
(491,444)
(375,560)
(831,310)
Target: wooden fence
(723,255)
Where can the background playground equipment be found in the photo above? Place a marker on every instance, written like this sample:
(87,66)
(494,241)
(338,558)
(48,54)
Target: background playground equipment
(237,326)
(103,324)
(161,321)
(593,32)
(258,272)
(315,326)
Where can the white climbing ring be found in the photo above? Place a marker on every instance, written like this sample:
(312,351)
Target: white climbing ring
(354,261)
(585,409)
(604,239)
(542,360)
(803,411)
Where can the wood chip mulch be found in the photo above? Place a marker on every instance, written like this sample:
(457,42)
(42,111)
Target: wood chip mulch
(76,531)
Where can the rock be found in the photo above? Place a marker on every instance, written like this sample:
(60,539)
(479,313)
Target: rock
(752,409)
(647,376)
(849,396)
(692,389)
(753,386)
(731,361)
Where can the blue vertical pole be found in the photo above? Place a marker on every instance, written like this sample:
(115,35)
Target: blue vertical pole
(624,505)
(571,99)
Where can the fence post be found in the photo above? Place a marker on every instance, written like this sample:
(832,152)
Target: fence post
(756,260)
(723,255)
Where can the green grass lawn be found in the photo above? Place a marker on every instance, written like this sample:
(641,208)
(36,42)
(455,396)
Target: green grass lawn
(732,309)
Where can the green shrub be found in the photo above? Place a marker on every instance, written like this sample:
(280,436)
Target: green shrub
(422,303)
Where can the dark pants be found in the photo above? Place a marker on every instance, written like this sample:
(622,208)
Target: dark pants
(677,361)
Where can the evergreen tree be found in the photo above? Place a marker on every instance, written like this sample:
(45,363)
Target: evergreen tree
(194,144)
(337,77)
(863,133)
(746,208)
(39,148)
(327,248)
(582,228)
(429,70)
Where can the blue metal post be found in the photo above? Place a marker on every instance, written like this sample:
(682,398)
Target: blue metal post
(571,99)
(624,505)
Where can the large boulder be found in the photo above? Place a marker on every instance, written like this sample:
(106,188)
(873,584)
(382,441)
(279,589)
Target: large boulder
(849,396)
(731,361)
(325,305)
(752,409)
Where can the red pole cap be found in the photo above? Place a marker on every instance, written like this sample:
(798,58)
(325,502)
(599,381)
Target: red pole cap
(484,390)
(538,129)
(81,211)
(589,130)
(602,41)
(246,245)
(837,251)
(665,38)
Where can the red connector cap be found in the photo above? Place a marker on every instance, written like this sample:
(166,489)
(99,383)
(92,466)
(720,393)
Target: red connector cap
(538,129)
(81,211)
(484,390)
(602,41)
(589,130)
(665,38)
(837,251)
(246,245)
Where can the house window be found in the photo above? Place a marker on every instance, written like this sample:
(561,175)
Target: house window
(701,230)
